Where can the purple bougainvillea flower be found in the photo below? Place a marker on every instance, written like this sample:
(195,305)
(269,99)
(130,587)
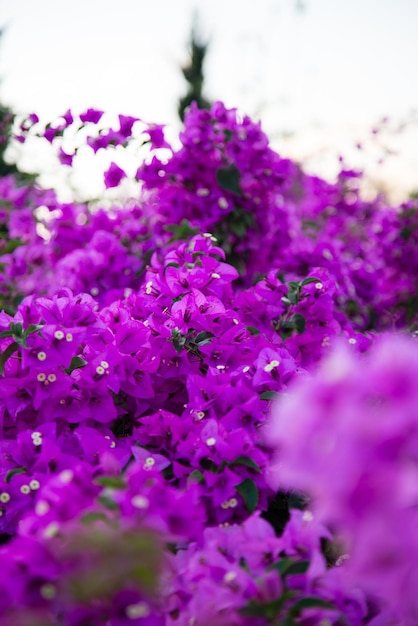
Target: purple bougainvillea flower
(68,117)
(113,175)
(65,158)
(126,123)
(91,115)
(156,135)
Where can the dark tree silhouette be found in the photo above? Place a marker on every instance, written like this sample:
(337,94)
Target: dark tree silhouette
(193,73)
(6,125)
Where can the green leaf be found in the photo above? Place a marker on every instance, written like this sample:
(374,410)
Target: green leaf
(173,264)
(14,472)
(108,502)
(293,297)
(297,501)
(210,466)
(11,246)
(249,492)
(238,228)
(6,354)
(289,567)
(76,363)
(184,230)
(253,330)
(32,328)
(6,333)
(299,322)
(296,322)
(247,462)
(229,178)
(93,516)
(203,338)
(195,477)
(307,281)
(268,610)
(17,329)
(178,340)
(288,621)
(268,395)
(309,603)
(258,277)
(114,482)
(167,472)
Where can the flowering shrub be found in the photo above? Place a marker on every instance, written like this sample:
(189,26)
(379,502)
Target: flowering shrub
(144,478)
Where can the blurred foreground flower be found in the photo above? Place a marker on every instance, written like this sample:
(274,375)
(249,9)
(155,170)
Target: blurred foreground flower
(349,438)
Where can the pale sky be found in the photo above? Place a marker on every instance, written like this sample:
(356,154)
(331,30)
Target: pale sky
(329,71)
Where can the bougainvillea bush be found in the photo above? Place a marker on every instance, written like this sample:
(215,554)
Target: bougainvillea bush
(208,396)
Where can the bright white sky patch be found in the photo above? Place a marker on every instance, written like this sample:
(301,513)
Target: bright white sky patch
(338,66)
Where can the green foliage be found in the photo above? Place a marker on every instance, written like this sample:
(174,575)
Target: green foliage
(249,493)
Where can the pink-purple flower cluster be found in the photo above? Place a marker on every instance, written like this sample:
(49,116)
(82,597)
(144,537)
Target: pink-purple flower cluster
(142,480)
(348,437)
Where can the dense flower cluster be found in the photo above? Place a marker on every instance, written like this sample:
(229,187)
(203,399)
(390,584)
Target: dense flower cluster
(142,480)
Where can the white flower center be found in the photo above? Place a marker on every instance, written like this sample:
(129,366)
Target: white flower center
(41,508)
(270,366)
(140,502)
(133,611)
(48,591)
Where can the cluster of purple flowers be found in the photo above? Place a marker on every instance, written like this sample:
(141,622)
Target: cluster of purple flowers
(142,477)
(348,437)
